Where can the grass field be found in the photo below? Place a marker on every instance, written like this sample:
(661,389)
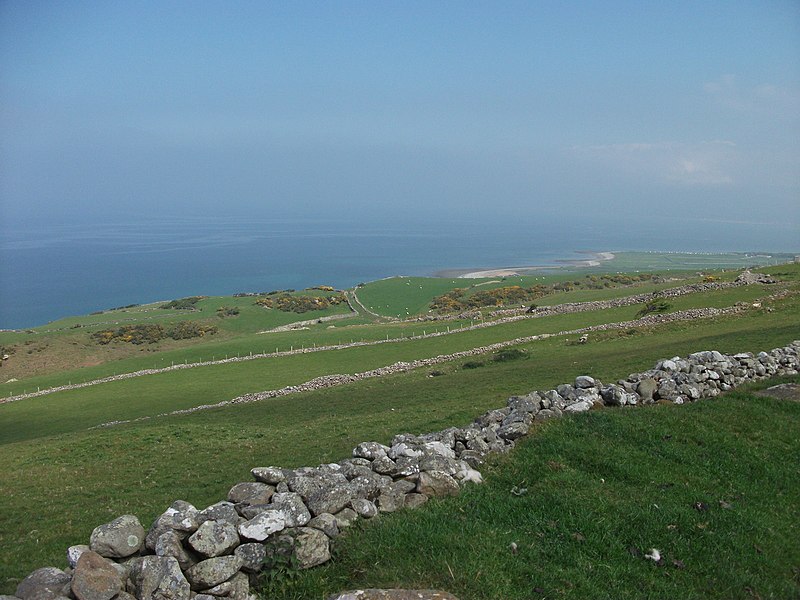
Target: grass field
(58,480)
(713,486)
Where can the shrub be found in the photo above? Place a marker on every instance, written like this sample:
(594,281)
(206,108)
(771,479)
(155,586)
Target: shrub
(227,311)
(654,306)
(184,303)
(473,364)
(509,354)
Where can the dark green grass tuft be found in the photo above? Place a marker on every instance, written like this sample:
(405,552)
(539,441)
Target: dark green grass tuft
(715,486)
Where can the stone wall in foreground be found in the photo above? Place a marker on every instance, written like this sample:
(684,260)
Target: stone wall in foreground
(290,516)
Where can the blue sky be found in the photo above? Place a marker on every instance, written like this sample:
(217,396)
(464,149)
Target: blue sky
(377,110)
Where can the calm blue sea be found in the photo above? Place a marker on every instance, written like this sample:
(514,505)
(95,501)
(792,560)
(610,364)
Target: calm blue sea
(52,271)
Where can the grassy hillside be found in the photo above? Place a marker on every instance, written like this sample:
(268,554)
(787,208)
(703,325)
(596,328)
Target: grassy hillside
(713,486)
(75,478)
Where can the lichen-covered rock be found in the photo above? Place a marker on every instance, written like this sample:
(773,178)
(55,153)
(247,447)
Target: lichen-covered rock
(576,407)
(326,523)
(295,511)
(345,518)
(47,582)
(312,547)
(264,524)
(214,538)
(158,578)
(235,588)
(252,556)
(370,450)
(94,578)
(180,517)
(584,382)
(269,475)
(513,431)
(383,465)
(74,553)
(221,511)
(250,492)
(436,483)
(213,571)
(169,544)
(124,536)
(330,499)
(365,508)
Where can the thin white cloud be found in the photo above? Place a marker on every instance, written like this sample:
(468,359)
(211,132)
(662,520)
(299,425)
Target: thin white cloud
(701,163)
(765,98)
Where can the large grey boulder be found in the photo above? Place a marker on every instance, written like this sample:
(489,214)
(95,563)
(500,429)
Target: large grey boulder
(214,538)
(158,578)
(647,388)
(120,538)
(95,578)
(47,582)
(213,571)
(513,431)
(584,382)
(345,518)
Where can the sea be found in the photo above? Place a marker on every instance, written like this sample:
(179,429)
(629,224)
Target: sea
(50,271)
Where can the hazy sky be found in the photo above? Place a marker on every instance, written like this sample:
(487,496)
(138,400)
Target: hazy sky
(113,109)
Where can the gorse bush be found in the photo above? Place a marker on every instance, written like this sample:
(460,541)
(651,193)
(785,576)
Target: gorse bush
(300,303)
(183,303)
(150,334)
(654,306)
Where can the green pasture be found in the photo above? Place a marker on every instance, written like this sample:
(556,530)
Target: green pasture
(713,486)
(154,394)
(75,480)
(626,262)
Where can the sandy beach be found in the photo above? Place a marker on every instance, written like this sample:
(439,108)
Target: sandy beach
(594,259)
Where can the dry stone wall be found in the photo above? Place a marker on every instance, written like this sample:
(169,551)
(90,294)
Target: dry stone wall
(289,516)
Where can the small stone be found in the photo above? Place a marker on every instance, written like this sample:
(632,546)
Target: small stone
(121,537)
(370,450)
(365,508)
(584,382)
(221,511)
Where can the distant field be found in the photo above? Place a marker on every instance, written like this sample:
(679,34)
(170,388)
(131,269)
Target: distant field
(670,261)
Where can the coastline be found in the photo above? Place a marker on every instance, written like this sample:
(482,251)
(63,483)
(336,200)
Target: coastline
(594,259)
